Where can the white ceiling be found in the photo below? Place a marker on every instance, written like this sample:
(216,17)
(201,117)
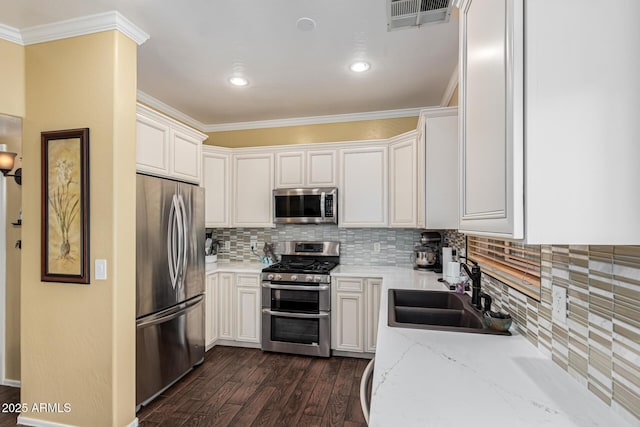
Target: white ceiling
(196,45)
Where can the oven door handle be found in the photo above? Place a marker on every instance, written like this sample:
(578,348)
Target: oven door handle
(295,287)
(296,315)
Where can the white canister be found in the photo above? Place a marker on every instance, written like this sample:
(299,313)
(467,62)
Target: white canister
(452,271)
(447,257)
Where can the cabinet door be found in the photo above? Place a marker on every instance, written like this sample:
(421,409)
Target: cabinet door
(349,331)
(216,176)
(186,157)
(247,314)
(403,179)
(211,310)
(363,187)
(252,190)
(290,169)
(491,108)
(226,306)
(373,289)
(322,168)
(152,146)
(441,177)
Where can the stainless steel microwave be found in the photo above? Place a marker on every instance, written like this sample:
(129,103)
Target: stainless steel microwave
(305,205)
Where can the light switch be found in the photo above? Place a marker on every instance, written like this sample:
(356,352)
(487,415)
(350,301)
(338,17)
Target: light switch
(101,269)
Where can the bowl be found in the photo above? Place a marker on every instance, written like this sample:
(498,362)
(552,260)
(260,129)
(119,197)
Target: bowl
(498,321)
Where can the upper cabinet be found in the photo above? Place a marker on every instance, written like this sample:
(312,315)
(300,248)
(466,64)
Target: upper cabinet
(403,181)
(363,186)
(544,155)
(306,168)
(252,189)
(216,180)
(437,169)
(491,133)
(167,148)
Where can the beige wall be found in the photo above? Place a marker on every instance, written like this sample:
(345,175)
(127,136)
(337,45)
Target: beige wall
(331,132)
(12,293)
(78,341)
(11,79)
(453,102)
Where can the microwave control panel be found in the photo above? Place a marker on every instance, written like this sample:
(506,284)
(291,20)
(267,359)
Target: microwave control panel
(328,206)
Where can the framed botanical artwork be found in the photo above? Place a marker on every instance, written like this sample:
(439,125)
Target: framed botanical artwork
(65,206)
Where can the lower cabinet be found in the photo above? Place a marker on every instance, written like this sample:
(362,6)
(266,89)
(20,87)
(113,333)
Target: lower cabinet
(233,308)
(355,304)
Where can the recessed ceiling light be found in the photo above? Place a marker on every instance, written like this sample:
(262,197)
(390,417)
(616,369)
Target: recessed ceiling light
(359,67)
(238,81)
(306,24)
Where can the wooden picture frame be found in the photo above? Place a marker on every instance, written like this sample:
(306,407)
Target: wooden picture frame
(65,206)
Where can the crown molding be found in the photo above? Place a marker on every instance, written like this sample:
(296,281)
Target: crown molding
(11,34)
(170,111)
(451,88)
(106,21)
(315,120)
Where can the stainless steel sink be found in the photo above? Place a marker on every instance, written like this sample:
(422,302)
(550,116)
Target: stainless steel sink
(436,310)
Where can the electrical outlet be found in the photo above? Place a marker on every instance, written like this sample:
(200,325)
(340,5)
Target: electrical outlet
(226,245)
(254,243)
(559,304)
(376,248)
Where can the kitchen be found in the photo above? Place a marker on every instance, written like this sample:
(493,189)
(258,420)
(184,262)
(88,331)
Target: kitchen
(595,347)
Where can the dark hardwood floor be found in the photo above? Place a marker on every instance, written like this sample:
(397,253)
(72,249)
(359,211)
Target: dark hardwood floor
(246,387)
(8,396)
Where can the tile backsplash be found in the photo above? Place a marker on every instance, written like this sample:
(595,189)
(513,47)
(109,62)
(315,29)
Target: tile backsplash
(356,244)
(599,345)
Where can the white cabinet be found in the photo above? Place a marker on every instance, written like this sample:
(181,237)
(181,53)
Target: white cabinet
(166,147)
(216,180)
(355,306)
(226,306)
(306,168)
(211,310)
(247,296)
(290,167)
(321,168)
(232,308)
(373,288)
(437,169)
(363,191)
(570,175)
(403,180)
(252,189)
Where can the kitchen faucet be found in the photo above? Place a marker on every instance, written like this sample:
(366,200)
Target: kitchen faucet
(475,275)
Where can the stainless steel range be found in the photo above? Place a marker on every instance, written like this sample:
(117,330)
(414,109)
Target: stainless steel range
(296,299)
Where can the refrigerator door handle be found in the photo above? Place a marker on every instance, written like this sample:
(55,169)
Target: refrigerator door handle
(171,243)
(170,313)
(185,234)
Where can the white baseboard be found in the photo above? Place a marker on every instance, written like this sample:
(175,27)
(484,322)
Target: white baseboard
(25,421)
(11,383)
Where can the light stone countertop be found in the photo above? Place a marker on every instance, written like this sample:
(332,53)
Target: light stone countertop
(436,378)
(233,267)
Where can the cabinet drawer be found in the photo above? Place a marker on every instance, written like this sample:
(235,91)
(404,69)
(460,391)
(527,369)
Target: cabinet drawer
(251,280)
(350,284)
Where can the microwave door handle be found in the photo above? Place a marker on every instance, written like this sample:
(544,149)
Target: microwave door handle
(322,201)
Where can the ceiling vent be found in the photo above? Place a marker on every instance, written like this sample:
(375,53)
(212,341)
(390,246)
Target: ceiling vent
(411,13)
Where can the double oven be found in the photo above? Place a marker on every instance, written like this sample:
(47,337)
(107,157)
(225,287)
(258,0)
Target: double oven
(296,299)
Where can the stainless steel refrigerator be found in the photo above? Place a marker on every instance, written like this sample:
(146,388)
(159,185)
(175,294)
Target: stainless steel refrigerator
(169,283)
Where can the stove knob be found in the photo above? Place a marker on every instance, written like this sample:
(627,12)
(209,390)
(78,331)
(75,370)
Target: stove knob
(294,278)
(278,277)
(308,278)
(270,277)
(317,279)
